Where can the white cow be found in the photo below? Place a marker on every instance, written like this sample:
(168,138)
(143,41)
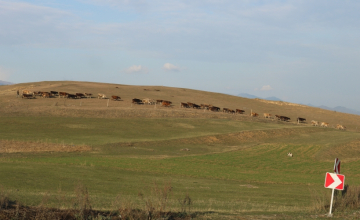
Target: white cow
(290,154)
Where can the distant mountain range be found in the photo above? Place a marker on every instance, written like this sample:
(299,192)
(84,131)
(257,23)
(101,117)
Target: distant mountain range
(246,95)
(3,83)
(337,108)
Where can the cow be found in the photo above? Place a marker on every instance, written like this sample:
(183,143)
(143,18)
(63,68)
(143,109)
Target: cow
(290,154)
(54,93)
(314,123)
(184,105)
(63,94)
(101,96)
(340,127)
(190,104)
(27,92)
(159,101)
(45,95)
(225,110)
(166,103)
(28,96)
(137,101)
(37,93)
(231,111)
(115,98)
(196,106)
(205,106)
(88,95)
(277,117)
(324,124)
(284,118)
(80,95)
(239,111)
(301,120)
(149,101)
(214,109)
(267,115)
(72,96)
(253,114)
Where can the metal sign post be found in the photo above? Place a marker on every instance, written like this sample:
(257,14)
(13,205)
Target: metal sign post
(334,181)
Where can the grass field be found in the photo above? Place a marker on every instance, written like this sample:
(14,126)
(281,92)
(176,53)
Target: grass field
(232,167)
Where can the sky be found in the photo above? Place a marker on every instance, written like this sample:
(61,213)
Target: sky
(301,51)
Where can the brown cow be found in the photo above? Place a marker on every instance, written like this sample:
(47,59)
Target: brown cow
(28,96)
(88,95)
(239,111)
(45,95)
(166,104)
(80,95)
(214,109)
(72,96)
(115,98)
(184,105)
(253,114)
(63,94)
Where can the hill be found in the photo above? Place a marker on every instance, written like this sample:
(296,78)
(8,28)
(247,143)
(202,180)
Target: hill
(130,159)
(10,105)
(2,83)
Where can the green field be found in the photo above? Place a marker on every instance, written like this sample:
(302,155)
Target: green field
(232,167)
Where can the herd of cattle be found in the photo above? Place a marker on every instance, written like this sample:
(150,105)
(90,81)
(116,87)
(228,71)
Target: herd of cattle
(52,94)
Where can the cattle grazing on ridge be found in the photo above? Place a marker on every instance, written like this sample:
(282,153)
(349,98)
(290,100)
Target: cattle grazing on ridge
(166,103)
(184,105)
(101,96)
(148,101)
(284,118)
(253,114)
(80,95)
(45,95)
(214,109)
(72,96)
(88,95)
(115,98)
(267,115)
(137,101)
(314,123)
(340,127)
(324,124)
(27,92)
(301,120)
(54,93)
(63,94)
(239,111)
(28,96)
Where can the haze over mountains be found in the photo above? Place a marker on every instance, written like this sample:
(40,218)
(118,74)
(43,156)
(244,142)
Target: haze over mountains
(3,83)
(337,108)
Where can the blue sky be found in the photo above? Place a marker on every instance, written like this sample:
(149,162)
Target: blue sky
(301,51)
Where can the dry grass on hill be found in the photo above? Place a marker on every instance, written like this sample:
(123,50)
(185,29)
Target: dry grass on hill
(10,105)
(10,146)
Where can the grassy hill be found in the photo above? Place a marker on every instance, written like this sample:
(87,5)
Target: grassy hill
(230,165)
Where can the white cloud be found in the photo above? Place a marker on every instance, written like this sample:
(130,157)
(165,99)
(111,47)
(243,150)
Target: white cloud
(170,67)
(266,88)
(137,69)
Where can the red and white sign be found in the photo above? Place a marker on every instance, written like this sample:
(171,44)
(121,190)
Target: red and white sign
(334,181)
(337,166)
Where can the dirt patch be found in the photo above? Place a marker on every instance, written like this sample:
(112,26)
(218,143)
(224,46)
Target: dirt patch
(7,146)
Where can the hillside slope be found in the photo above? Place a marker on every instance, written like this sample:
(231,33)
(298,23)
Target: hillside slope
(10,105)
